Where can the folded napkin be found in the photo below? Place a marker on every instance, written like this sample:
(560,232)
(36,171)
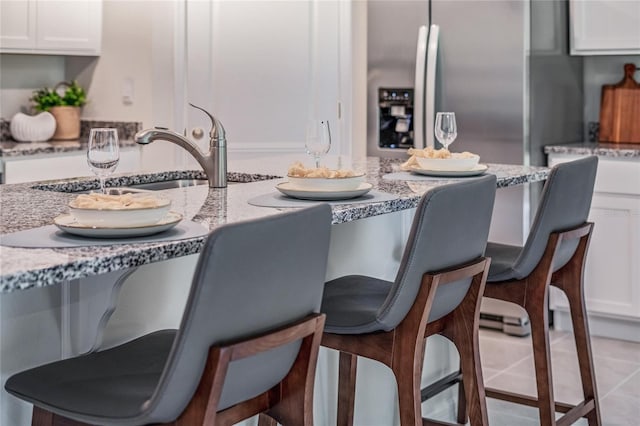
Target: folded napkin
(51,236)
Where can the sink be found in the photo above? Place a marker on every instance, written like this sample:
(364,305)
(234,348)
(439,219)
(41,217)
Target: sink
(169,184)
(182,179)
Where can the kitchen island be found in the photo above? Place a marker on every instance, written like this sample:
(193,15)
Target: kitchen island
(54,298)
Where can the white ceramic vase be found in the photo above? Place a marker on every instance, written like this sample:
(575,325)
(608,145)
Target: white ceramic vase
(32,128)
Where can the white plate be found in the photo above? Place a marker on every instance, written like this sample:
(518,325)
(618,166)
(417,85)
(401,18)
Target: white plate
(67,223)
(477,170)
(326,184)
(304,194)
(455,162)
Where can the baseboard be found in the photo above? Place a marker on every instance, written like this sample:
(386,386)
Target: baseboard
(613,328)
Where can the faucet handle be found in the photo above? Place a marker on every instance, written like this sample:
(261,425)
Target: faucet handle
(217,133)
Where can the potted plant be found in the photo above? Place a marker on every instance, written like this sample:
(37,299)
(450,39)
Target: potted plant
(63,102)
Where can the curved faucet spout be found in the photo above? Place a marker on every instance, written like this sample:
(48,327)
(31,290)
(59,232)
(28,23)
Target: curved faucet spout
(214,162)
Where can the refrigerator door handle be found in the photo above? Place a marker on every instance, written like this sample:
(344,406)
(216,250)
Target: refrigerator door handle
(430,83)
(419,89)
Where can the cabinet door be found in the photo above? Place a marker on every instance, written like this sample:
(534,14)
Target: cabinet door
(261,68)
(69,26)
(17,24)
(612,272)
(605,27)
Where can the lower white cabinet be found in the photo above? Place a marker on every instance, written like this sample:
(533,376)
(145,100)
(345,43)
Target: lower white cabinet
(61,166)
(612,272)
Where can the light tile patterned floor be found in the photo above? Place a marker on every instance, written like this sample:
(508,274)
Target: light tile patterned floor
(508,364)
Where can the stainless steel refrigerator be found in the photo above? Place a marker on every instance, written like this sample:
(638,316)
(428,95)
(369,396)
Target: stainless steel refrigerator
(503,67)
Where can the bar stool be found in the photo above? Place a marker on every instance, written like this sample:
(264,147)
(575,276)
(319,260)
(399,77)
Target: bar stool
(247,344)
(436,291)
(554,254)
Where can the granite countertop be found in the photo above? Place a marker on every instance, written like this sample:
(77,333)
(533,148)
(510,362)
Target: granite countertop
(22,149)
(24,206)
(613,150)
(11,148)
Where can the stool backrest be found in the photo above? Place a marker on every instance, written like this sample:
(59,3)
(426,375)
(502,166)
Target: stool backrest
(251,277)
(565,203)
(450,227)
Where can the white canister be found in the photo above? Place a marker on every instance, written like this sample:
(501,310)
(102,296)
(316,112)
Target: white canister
(32,128)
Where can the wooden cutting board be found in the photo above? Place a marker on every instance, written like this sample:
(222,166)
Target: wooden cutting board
(620,109)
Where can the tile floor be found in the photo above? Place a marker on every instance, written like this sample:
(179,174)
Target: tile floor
(508,364)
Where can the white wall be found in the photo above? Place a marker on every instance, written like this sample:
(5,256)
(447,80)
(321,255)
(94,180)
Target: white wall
(126,54)
(20,75)
(126,58)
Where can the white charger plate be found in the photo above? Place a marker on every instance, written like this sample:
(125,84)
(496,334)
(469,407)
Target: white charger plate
(476,171)
(305,194)
(67,223)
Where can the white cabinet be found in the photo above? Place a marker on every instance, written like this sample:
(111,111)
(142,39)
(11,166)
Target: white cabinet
(62,166)
(62,27)
(605,27)
(612,272)
(264,81)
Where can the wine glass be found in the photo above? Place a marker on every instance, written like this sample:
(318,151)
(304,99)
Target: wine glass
(318,139)
(445,128)
(103,153)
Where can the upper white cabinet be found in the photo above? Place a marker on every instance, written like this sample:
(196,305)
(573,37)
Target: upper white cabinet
(605,27)
(53,27)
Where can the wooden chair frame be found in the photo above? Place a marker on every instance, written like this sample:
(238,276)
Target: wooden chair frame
(290,402)
(403,348)
(532,293)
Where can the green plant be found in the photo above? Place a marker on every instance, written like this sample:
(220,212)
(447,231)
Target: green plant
(45,98)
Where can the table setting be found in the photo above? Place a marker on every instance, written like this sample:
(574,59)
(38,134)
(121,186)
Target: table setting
(305,186)
(104,218)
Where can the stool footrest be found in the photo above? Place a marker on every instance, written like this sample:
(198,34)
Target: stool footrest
(576,412)
(431,422)
(440,385)
(571,412)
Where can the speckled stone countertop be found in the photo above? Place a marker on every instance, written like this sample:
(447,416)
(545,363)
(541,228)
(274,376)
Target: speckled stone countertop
(613,150)
(30,205)
(22,149)
(11,148)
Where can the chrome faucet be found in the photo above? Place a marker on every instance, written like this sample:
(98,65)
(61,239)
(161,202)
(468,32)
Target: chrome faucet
(213,162)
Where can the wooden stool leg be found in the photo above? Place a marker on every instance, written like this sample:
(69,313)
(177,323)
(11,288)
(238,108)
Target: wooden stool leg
(264,420)
(408,372)
(41,417)
(583,346)
(465,335)
(462,403)
(346,388)
(542,360)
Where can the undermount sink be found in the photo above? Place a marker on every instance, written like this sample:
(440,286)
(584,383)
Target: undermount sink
(169,184)
(126,184)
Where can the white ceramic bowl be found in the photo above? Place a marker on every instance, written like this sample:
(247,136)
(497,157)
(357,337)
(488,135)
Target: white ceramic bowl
(454,163)
(121,218)
(36,128)
(326,184)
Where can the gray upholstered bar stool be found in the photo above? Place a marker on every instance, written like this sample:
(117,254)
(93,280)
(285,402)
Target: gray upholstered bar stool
(247,343)
(437,290)
(554,254)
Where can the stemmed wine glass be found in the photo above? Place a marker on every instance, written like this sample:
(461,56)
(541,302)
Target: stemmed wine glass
(445,128)
(318,139)
(103,153)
